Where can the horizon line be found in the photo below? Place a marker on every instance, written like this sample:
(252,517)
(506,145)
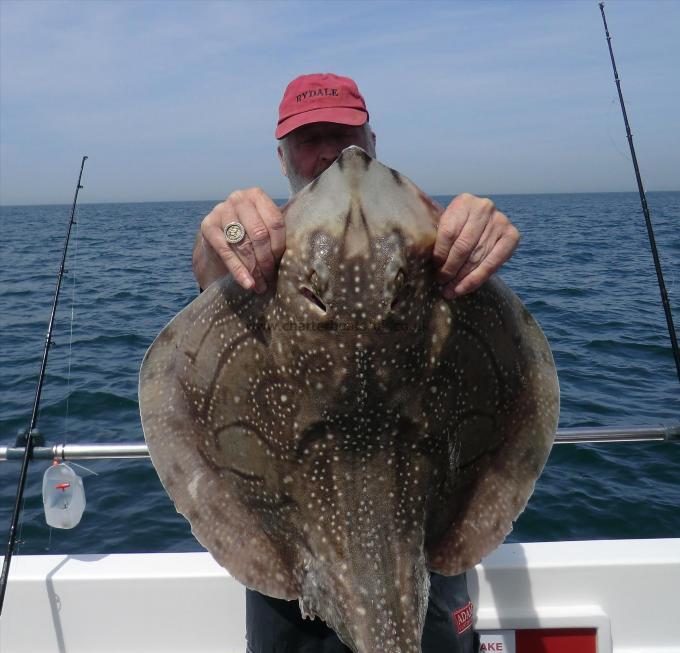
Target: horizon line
(284,200)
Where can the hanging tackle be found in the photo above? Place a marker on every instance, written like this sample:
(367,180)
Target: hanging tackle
(29,438)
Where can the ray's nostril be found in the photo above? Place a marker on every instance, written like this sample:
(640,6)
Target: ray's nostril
(399,283)
(311,296)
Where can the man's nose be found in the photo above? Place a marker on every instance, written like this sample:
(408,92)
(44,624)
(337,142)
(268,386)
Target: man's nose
(331,150)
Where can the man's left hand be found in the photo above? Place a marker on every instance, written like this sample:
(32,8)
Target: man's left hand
(473,240)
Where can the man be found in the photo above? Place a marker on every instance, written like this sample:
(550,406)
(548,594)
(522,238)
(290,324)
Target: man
(319,116)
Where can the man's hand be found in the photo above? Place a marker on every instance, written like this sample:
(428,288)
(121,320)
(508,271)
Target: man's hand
(473,240)
(253,261)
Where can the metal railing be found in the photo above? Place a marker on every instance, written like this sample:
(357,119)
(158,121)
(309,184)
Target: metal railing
(587,435)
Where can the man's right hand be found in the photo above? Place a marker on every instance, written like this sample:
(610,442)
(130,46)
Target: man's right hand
(253,261)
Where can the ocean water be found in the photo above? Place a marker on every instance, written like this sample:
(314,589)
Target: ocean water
(583,268)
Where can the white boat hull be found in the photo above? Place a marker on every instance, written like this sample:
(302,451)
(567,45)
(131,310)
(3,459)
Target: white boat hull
(626,591)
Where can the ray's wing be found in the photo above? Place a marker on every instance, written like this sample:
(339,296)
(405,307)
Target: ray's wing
(496,410)
(206,437)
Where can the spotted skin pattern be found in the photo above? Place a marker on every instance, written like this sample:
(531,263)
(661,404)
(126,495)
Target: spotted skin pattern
(338,437)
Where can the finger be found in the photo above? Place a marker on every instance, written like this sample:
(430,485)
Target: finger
(487,241)
(236,267)
(273,219)
(213,238)
(210,255)
(498,255)
(246,254)
(258,235)
(212,230)
(498,227)
(462,247)
(451,223)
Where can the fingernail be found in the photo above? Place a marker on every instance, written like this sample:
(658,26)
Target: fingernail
(247,283)
(449,293)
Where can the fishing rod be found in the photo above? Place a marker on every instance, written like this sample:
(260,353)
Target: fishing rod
(645,208)
(27,440)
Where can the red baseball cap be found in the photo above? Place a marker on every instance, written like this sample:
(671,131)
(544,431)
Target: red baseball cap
(321,97)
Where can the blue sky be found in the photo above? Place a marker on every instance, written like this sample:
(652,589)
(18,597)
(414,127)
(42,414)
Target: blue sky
(178,100)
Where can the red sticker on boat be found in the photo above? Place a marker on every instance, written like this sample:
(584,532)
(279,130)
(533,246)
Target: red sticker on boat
(463,618)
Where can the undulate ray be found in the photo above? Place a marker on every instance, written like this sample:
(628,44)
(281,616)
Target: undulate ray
(339,437)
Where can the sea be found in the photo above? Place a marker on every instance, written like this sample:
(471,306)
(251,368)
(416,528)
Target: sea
(583,268)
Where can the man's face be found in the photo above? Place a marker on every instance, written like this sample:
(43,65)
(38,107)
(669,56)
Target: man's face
(313,148)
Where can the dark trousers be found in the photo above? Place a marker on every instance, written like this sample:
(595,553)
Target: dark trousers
(276,626)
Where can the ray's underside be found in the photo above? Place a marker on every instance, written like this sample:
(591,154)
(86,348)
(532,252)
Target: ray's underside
(335,439)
